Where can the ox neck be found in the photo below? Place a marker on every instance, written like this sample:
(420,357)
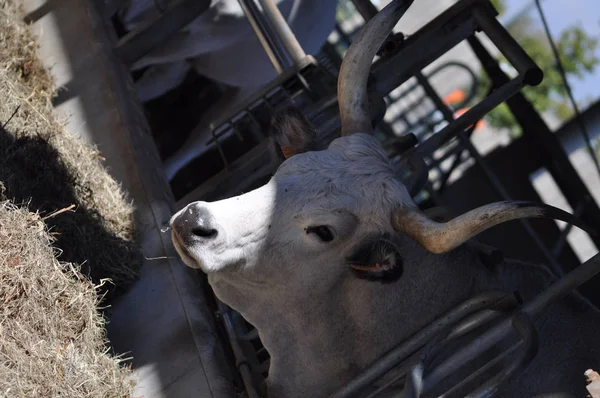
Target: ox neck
(323,343)
(318,346)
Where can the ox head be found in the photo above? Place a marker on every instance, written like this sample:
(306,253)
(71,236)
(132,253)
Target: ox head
(330,214)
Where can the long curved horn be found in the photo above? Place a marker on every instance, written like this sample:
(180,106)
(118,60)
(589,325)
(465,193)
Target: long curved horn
(443,237)
(354,71)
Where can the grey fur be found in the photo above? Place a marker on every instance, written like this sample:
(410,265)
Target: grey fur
(320,323)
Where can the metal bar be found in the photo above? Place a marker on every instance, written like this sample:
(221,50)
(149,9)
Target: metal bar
(469,324)
(270,89)
(455,163)
(571,281)
(561,70)
(540,136)
(283,30)
(533,308)
(448,29)
(416,103)
(217,143)
(385,386)
(421,174)
(240,175)
(270,33)
(562,239)
(457,160)
(520,322)
(497,185)
(435,71)
(473,322)
(471,116)
(365,8)
(499,188)
(434,197)
(408,109)
(436,38)
(427,44)
(454,390)
(236,130)
(415,385)
(459,152)
(418,340)
(451,150)
(508,46)
(157,30)
(276,59)
(242,363)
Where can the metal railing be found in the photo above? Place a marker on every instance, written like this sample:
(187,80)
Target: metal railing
(482,310)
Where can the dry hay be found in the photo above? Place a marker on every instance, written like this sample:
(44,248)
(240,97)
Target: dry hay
(43,165)
(51,336)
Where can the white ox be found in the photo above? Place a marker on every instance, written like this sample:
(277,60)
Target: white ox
(221,46)
(303,257)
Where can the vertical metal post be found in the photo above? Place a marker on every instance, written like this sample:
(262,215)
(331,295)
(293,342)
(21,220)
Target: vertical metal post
(275,56)
(286,35)
(365,8)
(242,364)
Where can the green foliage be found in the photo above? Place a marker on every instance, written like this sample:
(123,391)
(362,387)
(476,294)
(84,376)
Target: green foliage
(499,6)
(577,54)
(344,10)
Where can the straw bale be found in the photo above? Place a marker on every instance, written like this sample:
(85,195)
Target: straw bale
(49,168)
(51,336)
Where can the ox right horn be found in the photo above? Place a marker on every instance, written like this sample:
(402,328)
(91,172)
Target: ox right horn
(354,71)
(444,237)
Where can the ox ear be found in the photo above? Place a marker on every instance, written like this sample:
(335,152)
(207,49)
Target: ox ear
(292,132)
(376,258)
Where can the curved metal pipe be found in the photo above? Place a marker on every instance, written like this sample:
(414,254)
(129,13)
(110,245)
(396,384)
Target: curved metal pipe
(418,340)
(521,323)
(532,309)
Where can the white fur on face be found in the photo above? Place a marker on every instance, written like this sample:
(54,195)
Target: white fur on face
(350,187)
(241,223)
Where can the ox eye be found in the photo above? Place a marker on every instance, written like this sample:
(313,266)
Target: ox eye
(324,233)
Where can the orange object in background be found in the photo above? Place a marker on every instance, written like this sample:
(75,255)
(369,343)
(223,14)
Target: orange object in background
(457,96)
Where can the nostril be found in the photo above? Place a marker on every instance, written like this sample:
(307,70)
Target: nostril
(195,221)
(206,233)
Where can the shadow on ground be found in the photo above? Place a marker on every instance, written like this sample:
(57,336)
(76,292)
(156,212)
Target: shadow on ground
(34,175)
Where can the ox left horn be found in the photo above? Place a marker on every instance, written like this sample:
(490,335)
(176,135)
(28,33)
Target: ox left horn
(444,237)
(354,71)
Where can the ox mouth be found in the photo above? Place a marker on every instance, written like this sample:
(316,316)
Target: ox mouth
(183,251)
